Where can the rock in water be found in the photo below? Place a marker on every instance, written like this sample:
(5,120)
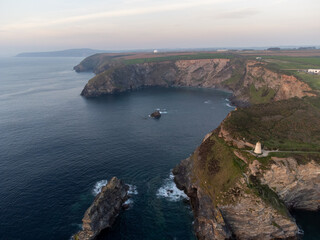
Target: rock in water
(156,115)
(104,209)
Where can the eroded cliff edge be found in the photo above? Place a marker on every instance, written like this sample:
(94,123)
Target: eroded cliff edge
(250,81)
(237,195)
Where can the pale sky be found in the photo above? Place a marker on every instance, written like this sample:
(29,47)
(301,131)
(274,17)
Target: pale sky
(45,25)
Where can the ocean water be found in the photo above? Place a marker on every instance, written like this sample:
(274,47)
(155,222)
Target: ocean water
(57,149)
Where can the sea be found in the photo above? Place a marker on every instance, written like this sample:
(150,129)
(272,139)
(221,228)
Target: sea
(57,149)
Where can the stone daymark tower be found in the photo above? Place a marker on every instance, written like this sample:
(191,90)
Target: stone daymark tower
(257,149)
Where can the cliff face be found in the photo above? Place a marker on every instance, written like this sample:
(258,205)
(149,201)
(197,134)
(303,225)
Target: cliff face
(250,81)
(238,213)
(298,185)
(265,85)
(238,195)
(204,73)
(104,210)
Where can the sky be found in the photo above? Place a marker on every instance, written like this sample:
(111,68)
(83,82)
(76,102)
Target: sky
(47,25)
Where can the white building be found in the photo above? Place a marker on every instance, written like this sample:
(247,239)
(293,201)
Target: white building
(155,51)
(258,149)
(316,71)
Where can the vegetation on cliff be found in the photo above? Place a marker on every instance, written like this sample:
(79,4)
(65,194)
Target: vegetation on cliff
(290,125)
(253,193)
(231,189)
(251,81)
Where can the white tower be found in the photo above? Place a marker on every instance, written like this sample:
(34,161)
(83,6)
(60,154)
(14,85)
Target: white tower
(257,149)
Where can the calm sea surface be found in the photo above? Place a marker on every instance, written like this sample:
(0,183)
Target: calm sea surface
(57,148)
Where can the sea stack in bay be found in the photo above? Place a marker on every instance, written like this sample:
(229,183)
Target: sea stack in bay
(104,209)
(156,114)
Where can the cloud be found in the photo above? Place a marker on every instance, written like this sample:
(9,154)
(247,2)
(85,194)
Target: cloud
(109,14)
(240,13)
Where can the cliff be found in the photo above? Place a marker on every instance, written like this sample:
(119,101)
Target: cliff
(238,195)
(235,194)
(104,210)
(250,81)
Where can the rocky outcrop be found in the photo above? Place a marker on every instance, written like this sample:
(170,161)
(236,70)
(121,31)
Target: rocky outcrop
(245,216)
(104,210)
(155,114)
(298,185)
(204,73)
(258,76)
(250,81)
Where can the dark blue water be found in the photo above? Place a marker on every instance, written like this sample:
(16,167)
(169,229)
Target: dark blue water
(55,147)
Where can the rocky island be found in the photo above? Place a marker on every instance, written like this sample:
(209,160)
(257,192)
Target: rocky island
(234,193)
(155,114)
(104,210)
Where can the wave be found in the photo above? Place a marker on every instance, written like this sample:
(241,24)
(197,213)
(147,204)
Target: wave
(170,191)
(98,186)
(162,111)
(132,190)
(207,102)
(229,105)
(129,202)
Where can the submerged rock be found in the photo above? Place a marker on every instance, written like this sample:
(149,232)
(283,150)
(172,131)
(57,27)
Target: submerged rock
(155,114)
(104,209)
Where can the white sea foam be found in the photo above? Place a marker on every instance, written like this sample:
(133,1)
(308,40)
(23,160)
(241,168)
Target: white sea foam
(207,101)
(170,191)
(228,105)
(132,190)
(227,100)
(162,111)
(98,186)
(128,202)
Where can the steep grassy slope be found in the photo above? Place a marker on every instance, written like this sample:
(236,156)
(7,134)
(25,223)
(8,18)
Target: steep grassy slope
(286,125)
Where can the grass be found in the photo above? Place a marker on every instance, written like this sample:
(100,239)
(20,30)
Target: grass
(216,167)
(311,79)
(286,62)
(179,57)
(262,95)
(291,65)
(292,125)
(237,73)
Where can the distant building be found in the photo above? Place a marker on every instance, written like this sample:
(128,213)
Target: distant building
(155,51)
(222,50)
(315,71)
(257,149)
(258,58)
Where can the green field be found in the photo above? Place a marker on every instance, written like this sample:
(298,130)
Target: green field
(286,62)
(292,65)
(311,79)
(180,57)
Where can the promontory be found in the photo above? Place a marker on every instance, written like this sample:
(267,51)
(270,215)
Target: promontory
(234,192)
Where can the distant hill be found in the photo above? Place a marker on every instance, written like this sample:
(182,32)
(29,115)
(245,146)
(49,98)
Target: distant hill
(82,52)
